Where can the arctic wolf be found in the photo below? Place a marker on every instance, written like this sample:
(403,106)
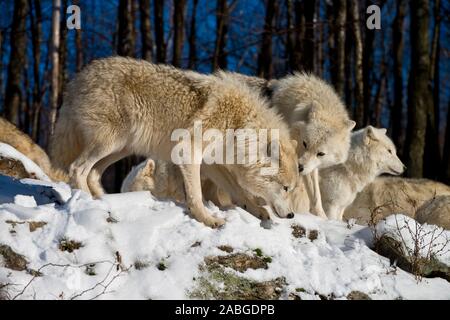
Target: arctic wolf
(318,121)
(371,153)
(164,180)
(436,211)
(11,135)
(388,195)
(119,106)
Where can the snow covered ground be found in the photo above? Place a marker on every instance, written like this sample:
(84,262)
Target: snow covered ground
(131,246)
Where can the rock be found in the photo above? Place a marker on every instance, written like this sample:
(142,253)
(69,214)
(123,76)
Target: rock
(358,295)
(298,231)
(11,259)
(436,211)
(394,250)
(225,248)
(13,168)
(239,261)
(69,245)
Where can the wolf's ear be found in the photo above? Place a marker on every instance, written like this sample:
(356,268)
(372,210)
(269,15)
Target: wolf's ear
(370,134)
(149,167)
(302,111)
(350,124)
(383,130)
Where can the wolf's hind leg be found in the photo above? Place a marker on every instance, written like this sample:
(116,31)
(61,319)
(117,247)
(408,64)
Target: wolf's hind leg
(94,177)
(81,167)
(192,185)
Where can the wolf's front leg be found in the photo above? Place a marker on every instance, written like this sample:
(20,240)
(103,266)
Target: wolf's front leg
(313,190)
(193,188)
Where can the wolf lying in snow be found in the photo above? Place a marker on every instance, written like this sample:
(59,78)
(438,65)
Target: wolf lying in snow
(371,153)
(388,195)
(118,106)
(318,121)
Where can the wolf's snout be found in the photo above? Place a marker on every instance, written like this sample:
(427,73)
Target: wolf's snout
(301,168)
(290,215)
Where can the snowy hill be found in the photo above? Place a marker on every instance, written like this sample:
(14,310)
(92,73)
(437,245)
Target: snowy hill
(133,246)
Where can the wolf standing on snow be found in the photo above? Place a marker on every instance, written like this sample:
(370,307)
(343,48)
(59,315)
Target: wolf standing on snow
(318,121)
(372,153)
(117,107)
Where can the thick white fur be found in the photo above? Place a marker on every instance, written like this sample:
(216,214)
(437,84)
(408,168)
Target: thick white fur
(117,107)
(372,153)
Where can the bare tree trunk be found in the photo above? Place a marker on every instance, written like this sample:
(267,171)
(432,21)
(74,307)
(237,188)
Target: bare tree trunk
(341,18)
(349,67)
(308,45)
(56,17)
(125,47)
(1,67)
(193,37)
(265,65)
(18,44)
(126,41)
(397,108)
(79,62)
(36,31)
(380,95)
(446,154)
(146,32)
(297,54)
(419,90)
(159,31)
(289,34)
(329,13)
(178,23)
(318,61)
(359,82)
(220,57)
(432,159)
(62,53)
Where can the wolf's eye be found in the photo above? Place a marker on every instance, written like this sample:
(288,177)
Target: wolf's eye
(286,188)
(320,154)
(390,151)
(305,145)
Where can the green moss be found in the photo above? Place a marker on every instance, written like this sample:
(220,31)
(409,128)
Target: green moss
(216,283)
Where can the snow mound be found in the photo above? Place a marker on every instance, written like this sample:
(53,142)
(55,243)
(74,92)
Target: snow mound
(426,240)
(115,247)
(32,168)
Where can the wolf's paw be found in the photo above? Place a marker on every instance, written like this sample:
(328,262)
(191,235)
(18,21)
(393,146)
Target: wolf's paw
(214,222)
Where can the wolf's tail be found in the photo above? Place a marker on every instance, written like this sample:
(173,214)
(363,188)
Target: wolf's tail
(64,144)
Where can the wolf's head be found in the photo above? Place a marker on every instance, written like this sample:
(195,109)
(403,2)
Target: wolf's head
(321,141)
(161,178)
(381,151)
(273,188)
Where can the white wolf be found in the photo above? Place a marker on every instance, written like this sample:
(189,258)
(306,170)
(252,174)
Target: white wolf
(119,106)
(388,195)
(318,120)
(371,153)
(164,180)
